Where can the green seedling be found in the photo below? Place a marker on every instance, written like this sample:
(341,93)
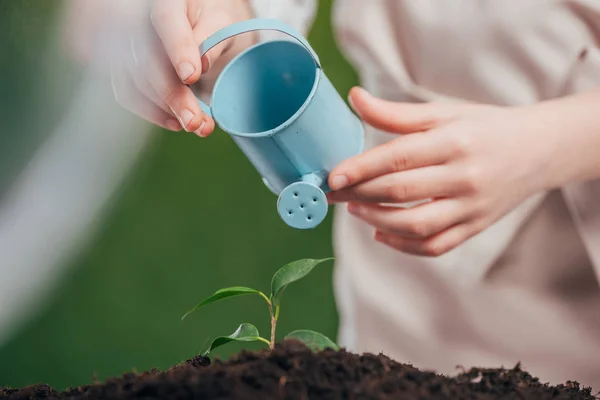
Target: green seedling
(289,273)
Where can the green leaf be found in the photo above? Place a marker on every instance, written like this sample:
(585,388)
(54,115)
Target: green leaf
(225,293)
(291,273)
(244,333)
(313,340)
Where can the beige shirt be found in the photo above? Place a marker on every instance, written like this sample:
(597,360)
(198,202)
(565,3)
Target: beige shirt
(526,289)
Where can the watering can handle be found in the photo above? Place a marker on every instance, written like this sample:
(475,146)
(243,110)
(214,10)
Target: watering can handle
(257,24)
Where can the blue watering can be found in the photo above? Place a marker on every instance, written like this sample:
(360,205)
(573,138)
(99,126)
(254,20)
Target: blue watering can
(282,111)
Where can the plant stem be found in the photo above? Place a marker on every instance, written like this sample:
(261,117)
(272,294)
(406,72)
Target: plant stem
(264,296)
(264,341)
(273,325)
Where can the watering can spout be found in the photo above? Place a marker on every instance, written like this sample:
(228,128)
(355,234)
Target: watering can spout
(303,204)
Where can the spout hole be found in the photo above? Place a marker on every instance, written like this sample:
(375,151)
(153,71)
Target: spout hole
(302,206)
(295,194)
(309,218)
(290,212)
(315,199)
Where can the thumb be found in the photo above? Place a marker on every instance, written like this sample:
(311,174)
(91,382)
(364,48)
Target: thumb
(394,117)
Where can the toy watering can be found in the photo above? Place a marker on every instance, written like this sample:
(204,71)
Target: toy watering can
(276,103)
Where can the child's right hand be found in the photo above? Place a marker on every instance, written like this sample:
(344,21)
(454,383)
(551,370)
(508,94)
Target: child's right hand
(151,49)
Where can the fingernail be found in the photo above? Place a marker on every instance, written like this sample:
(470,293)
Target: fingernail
(339,182)
(173,125)
(379,236)
(199,130)
(185,70)
(185,117)
(352,104)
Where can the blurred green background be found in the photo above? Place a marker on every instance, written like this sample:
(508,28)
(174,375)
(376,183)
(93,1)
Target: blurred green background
(192,217)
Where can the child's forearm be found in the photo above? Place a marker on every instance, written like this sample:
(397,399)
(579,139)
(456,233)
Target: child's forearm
(570,134)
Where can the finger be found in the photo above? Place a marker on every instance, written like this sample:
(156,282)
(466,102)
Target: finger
(401,154)
(177,96)
(194,9)
(128,96)
(153,64)
(396,117)
(418,222)
(401,187)
(170,19)
(136,70)
(433,246)
(210,21)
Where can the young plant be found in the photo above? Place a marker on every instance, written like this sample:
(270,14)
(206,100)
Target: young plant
(289,273)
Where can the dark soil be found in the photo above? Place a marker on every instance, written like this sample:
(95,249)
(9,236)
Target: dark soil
(292,371)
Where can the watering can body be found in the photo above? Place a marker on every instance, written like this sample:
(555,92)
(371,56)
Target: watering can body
(282,111)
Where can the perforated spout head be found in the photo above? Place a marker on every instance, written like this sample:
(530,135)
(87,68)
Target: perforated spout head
(302,205)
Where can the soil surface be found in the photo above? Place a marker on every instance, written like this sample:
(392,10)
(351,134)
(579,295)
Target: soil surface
(292,371)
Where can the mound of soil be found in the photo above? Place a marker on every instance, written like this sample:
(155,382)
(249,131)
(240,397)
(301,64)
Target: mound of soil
(292,371)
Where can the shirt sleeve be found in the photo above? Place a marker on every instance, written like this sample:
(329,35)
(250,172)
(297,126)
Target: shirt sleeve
(299,14)
(589,12)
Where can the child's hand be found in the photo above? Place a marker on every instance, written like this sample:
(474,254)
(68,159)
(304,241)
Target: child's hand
(151,48)
(474,162)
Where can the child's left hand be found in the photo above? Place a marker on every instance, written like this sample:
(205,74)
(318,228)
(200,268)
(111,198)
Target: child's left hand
(475,163)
